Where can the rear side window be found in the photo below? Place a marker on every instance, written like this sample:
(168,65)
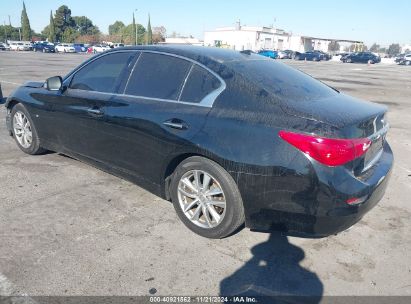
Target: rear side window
(283,81)
(158,76)
(104,74)
(199,84)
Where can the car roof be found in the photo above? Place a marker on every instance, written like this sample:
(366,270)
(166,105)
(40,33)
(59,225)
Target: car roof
(198,53)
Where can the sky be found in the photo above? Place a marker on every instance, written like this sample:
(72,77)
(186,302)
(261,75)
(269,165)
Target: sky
(380,21)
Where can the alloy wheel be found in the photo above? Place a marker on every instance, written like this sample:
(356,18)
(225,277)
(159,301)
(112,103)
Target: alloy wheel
(22,129)
(201,199)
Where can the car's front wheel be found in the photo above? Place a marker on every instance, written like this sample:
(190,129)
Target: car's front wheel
(206,198)
(24,131)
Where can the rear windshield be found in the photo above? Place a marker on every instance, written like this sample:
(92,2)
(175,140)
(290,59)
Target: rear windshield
(283,81)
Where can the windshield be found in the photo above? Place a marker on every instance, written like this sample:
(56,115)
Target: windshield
(282,81)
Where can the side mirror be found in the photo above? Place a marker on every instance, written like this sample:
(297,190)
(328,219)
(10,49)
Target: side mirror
(54,83)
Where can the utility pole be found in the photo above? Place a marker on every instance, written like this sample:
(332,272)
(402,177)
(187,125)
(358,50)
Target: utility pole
(5,32)
(136,28)
(9,21)
(20,33)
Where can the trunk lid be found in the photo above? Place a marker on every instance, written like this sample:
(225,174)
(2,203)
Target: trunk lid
(351,118)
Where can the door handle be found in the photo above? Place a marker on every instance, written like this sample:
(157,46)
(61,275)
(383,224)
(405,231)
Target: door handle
(95,111)
(176,124)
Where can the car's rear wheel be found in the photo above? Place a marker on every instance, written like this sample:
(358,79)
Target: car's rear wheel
(408,62)
(24,131)
(370,61)
(349,60)
(206,198)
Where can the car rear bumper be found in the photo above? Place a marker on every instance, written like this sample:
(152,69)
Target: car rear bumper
(313,206)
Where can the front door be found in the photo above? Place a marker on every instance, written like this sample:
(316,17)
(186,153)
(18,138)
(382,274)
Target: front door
(79,110)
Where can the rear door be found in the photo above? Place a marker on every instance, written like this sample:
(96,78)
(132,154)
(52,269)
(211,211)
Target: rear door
(165,103)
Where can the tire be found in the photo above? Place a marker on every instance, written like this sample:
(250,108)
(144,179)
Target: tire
(348,60)
(371,61)
(297,57)
(231,215)
(34,147)
(408,62)
(315,59)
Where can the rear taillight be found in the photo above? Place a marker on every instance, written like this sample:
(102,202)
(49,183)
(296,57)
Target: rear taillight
(328,151)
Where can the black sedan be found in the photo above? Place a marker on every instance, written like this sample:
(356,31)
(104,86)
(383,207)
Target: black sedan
(44,47)
(361,57)
(230,138)
(310,55)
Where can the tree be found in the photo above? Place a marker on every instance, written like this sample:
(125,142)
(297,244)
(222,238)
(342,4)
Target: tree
(375,48)
(69,35)
(394,49)
(333,46)
(149,32)
(51,35)
(128,34)
(159,34)
(115,28)
(8,32)
(25,24)
(85,26)
(62,21)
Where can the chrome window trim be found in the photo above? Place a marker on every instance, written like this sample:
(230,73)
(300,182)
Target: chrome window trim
(142,97)
(207,101)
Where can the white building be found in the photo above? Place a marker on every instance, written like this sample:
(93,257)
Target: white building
(256,38)
(183,40)
(247,38)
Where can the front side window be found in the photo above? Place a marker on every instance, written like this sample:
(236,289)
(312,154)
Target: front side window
(104,74)
(158,76)
(199,84)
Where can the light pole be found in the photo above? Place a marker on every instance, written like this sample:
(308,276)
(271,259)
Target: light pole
(5,32)
(136,27)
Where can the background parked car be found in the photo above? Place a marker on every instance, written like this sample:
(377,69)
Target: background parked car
(44,47)
(286,54)
(79,47)
(399,58)
(323,55)
(361,57)
(65,48)
(117,45)
(4,47)
(268,53)
(406,59)
(18,46)
(100,48)
(310,55)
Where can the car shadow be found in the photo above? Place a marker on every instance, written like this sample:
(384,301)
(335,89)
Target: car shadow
(274,275)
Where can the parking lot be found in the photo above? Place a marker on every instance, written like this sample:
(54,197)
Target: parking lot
(69,229)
